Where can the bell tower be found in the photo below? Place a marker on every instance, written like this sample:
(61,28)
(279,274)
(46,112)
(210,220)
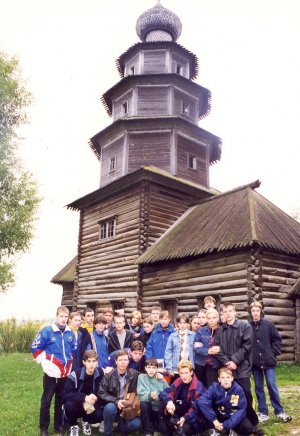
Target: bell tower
(156,106)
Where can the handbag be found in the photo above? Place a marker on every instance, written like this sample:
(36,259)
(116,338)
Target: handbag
(132,408)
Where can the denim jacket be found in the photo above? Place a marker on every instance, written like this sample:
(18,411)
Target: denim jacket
(173,350)
(203,335)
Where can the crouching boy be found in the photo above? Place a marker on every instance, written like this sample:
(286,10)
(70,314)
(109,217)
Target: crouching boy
(148,389)
(177,402)
(80,395)
(224,406)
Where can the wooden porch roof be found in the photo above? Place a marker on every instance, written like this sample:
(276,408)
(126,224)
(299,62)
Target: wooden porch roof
(236,219)
(67,274)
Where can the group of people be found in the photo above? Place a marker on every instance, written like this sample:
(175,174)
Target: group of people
(189,378)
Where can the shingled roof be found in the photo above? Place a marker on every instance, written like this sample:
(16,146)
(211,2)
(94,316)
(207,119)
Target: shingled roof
(236,219)
(67,274)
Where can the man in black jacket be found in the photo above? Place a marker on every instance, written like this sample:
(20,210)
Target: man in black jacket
(111,392)
(120,337)
(266,346)
(80,395)
(235,340)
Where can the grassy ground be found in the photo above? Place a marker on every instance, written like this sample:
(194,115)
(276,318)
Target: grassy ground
(21,387)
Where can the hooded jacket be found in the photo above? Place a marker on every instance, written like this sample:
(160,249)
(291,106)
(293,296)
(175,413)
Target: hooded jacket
(54,350)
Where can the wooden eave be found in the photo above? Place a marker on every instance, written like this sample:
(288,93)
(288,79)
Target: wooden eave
(66,274)
(150,174)
(230,221)
(161,122)
(157,79)
(120,62)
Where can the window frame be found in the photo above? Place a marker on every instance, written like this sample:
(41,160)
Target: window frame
(194,161)
(107,228)
(112,168)
(125,108)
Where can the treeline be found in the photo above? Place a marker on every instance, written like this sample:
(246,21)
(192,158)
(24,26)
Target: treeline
(16,336)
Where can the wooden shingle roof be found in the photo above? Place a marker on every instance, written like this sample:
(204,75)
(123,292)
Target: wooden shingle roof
(67,274)
(237,219)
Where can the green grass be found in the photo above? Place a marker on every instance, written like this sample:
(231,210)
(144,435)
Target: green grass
(21,388)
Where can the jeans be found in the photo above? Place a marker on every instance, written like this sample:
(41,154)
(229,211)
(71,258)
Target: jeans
(51,386)
(111,415)
(270,376)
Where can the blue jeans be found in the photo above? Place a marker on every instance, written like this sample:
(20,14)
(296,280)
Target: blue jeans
(270,376)
(111,414)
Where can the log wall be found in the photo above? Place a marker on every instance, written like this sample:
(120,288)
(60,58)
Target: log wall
(200,174)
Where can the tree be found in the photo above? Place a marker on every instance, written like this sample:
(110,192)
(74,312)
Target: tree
(18,190)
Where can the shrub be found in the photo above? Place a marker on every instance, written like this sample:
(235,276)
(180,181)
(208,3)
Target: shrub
(17,336)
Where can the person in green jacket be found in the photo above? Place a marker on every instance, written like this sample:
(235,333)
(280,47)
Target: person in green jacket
(149,387)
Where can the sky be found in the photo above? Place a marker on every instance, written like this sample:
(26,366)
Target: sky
(249,57)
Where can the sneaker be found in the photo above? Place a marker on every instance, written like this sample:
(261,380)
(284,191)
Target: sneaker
(101,427)
(232,433)
(86,428)
(262,417)
(283,417)
(213,432)
(74,430)
(258,431)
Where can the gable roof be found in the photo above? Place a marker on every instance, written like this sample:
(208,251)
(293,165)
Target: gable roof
(237,219)
(67,274)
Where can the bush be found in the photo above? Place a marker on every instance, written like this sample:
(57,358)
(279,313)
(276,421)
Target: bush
(17,336)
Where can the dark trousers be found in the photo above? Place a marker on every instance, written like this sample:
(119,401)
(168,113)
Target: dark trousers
(246,385)
(149,417)
(75,410)
(206,374)
(51,386)
(245,428)
(167,425)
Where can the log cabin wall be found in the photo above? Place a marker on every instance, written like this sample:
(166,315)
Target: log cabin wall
(106,269)
(187,282)
(274,276)
(153,100)
(186,105)
(114,150)
(67,295)
(154,62)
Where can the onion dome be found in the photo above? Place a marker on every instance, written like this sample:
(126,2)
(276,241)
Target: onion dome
(158,24)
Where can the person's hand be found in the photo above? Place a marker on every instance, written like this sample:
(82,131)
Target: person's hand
(91,399)
(198,344)
(231,365)
(218,425)
(181,421)
(214,350)
(121,404)
(154,395)
(159,376)
(170,407)
(107,370)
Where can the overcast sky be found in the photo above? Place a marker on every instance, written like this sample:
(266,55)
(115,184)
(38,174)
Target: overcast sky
(249,57)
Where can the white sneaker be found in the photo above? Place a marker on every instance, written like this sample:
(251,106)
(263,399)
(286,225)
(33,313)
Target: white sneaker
(284,417)
(86,428)
(101,427)
(74,430)
(232,433)
(213,432)
(262,417)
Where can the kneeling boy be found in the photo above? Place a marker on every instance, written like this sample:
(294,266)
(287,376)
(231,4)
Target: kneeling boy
(80,395)
(224,405)
(148,389)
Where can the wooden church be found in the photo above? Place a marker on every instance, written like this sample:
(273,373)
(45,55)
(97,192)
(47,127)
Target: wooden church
(155,232)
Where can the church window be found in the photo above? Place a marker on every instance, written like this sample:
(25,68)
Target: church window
(113,164)
(125,108)
(107,229)
(185,109)
(191,161)
(179,69)
(131,71)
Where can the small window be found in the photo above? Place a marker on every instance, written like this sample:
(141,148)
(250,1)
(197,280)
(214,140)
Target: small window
(125,108)
(179,69)
(131,71)
(185,109)
(191,161)
(117,305)
(172,307)
(113,164)
(107,229)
